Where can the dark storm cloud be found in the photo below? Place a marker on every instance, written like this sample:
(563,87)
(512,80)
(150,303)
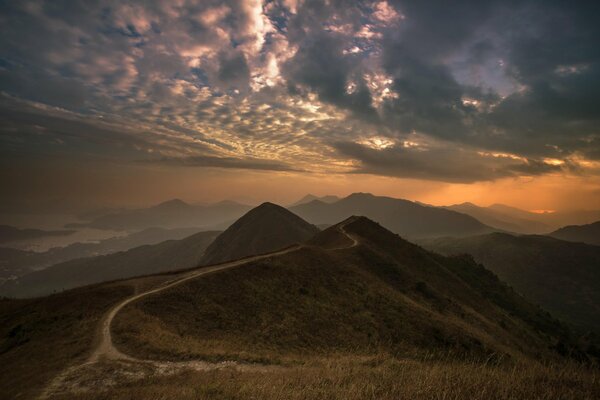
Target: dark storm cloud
(439,164)
(489,88)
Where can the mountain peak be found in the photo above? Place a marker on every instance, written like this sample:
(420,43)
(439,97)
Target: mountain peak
(172,204)
(265,228)
(268,207)
(360,195)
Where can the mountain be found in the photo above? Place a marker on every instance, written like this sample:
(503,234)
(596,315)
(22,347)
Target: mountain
(311,197)
(144,260)
(367,293)
(403,217)
(560,276)
(263,229)
(589,234)
(170,214)
(503,220)
(12,234)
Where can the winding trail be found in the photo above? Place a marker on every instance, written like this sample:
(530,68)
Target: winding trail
(106,350)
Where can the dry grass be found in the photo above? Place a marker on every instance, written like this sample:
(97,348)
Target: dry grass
(41,337)
(369,378)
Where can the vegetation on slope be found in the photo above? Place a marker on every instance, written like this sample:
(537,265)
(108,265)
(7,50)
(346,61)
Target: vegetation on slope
(40,337)
(562,277)
(361,378)
(384,296)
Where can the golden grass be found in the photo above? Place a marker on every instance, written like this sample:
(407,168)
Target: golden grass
(380,378)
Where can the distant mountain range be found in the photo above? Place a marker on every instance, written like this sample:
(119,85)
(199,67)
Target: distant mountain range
(504,218)
(263,229)
(554,220)
(149,259)
(12,234)
(589,233)
(406,218)
(562,277)
(170,214)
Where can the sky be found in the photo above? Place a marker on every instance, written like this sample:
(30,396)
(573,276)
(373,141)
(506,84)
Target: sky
(136,102)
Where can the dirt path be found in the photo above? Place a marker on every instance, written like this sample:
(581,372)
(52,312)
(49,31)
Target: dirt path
(70,379)
(106,348)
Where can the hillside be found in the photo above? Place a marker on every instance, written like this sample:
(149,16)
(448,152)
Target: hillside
(382,296)
(263,229)
(562,277)
(506,221)
(403,217)
(144,260)
(589,233)
(170,214)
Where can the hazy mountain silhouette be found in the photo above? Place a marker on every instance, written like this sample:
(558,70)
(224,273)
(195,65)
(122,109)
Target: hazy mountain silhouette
(385,294)
(170,214)
(500,218)
(562,277)
(12,234)
(589,233)
(17,262)
(265,228)
(403,217)
(311,197)
(149,259)
(554,220)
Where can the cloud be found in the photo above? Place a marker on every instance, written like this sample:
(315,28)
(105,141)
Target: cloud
(440,163)
(224,162)
(275,84)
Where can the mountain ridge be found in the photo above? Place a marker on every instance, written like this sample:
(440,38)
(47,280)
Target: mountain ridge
(402,216)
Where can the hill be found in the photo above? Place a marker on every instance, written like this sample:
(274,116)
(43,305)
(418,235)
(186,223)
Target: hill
(562,277)
(263,229)
(589,234)
(144,260)
(503,220)
(12,234)
(403,217)
(170,214)
(382,295)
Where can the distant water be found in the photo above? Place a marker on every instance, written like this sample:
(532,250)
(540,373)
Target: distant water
(53,222)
